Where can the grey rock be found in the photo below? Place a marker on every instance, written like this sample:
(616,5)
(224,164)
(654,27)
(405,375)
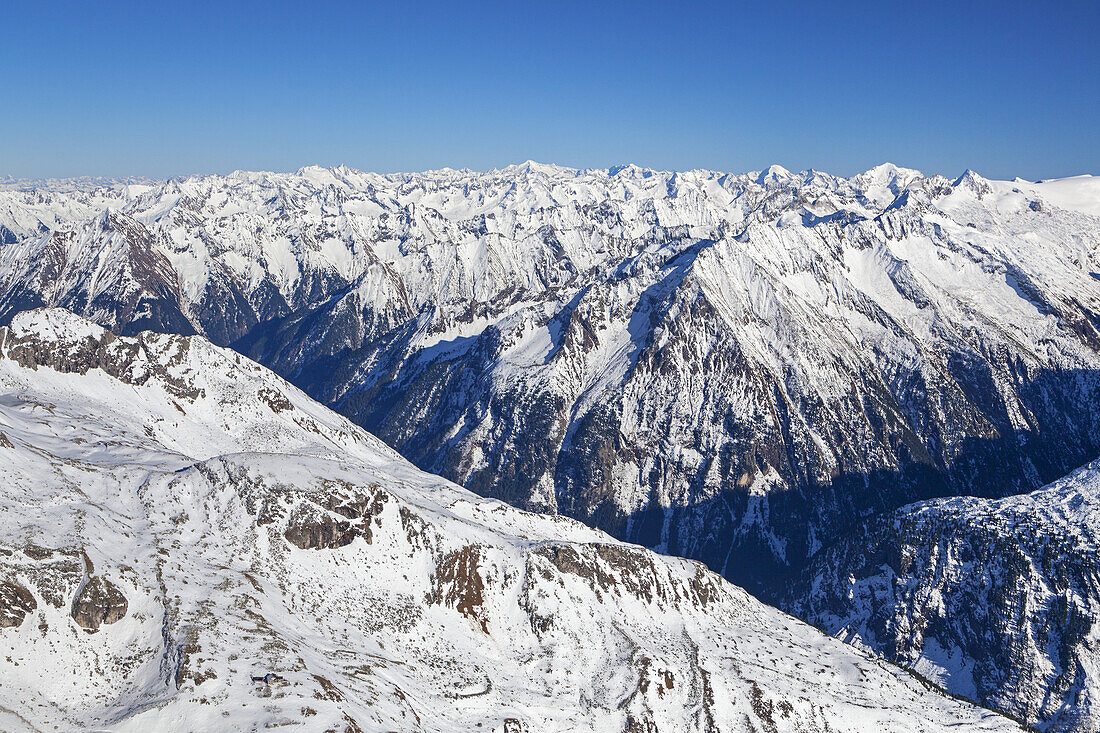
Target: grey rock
(16,603)
(99,602)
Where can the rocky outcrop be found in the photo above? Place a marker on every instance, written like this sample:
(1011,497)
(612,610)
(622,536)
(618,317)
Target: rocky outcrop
(457,582)
(97,348)
(16,602)
(335,519)
(312,528)
(64,579)
(99,602)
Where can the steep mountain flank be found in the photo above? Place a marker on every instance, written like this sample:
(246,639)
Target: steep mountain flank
(189,543)
(995,600)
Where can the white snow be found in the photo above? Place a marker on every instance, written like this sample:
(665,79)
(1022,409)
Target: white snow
(177,480)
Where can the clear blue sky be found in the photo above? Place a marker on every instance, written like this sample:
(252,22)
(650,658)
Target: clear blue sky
(111,88)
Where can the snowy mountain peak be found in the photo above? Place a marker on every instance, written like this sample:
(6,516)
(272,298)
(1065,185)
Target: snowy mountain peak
(629,170)
(531,166)
(973,182)
(886,173)
(773,174)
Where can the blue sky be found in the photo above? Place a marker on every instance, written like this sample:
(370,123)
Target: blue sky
(112,88)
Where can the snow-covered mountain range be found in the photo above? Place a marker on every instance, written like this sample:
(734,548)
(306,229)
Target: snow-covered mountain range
(187,542)
(739,369)
(712,364)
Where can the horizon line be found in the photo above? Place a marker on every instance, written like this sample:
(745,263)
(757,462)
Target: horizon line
(530,164)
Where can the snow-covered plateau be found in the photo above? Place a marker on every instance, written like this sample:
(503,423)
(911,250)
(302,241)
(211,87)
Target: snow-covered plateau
(742,369)
(187,542)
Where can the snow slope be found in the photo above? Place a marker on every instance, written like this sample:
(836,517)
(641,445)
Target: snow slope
(176,520)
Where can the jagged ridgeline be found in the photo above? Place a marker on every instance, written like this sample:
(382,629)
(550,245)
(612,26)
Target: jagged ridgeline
(733,368)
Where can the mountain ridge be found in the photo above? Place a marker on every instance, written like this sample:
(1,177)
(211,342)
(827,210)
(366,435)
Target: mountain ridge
(200,545)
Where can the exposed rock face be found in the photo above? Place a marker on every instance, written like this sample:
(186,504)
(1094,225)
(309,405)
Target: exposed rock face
(97,348)
(736,369)
(99,602)
(457,582)
(16,602)
(312,529)
(335,518)
(63,579)
(995,600)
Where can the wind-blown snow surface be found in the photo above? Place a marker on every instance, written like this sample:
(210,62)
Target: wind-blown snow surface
(995,600)
(174,520)
(733,368)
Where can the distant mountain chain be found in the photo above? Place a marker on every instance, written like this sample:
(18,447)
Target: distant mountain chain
(768,372)
(189,543)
